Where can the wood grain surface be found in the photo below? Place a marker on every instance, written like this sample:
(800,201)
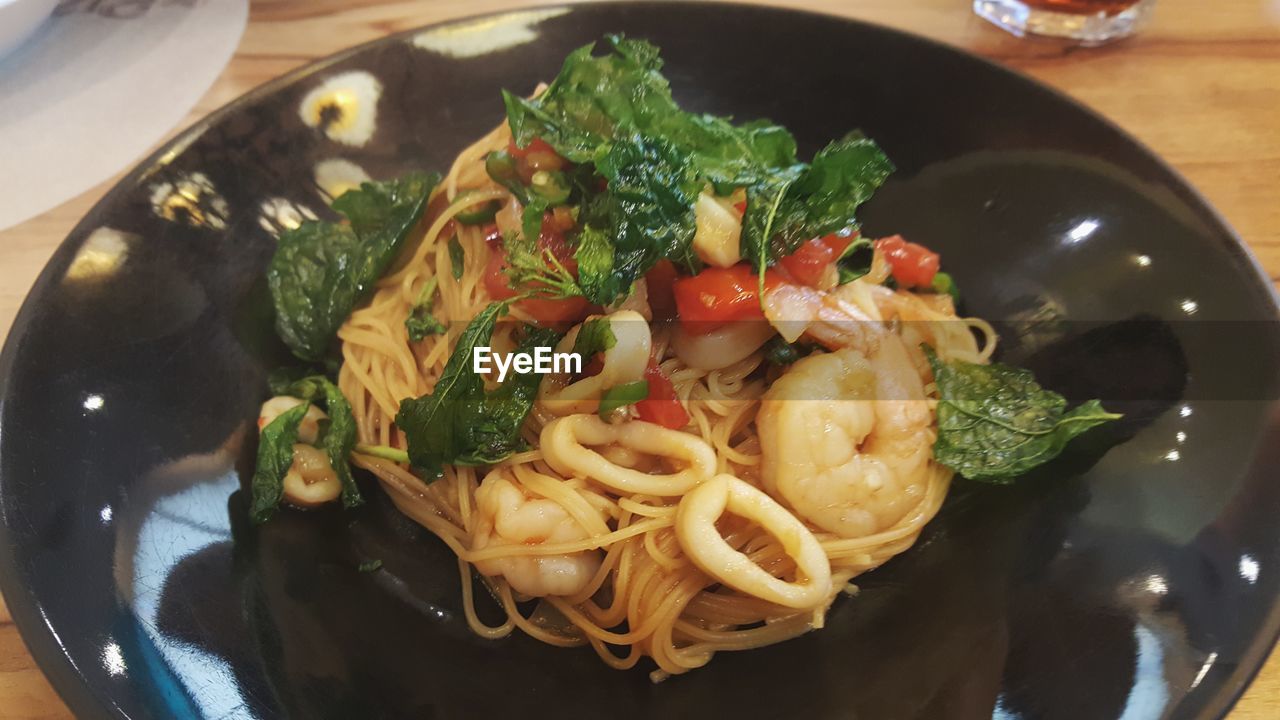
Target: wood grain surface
(1201,86)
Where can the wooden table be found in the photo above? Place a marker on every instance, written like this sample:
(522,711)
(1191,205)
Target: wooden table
(1201,86)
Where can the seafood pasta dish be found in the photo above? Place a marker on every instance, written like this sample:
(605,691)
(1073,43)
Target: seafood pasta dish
(640,369)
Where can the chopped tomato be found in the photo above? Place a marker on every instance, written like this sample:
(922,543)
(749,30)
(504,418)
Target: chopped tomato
(552,239)
(546,312)
(554,312)
(492,235)
(740,206)
(912,265)
(661,407)
(658,282)
(717,296)
(495,276)
(810,261)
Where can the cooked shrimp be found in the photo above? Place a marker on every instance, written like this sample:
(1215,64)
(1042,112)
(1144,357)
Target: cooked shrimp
(308,429)
(310,480)
(845,440)
(506,515)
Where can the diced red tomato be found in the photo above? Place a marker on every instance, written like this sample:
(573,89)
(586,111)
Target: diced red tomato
(661,407)
(912,265)
(810,261)
(658,282)
(552,238)
(495,276)
(740,206)
(492,235)
(717,296)
(546,312)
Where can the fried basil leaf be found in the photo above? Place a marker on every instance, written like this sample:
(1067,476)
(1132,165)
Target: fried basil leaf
(595,336)
(322,270)
(462,423)
(996,423)
(647,211)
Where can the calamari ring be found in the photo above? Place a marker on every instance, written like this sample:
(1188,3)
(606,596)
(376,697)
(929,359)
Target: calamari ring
(696,529)
(566,442)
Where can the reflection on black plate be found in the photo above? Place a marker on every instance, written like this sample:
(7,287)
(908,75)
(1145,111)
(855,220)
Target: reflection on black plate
(1142,584)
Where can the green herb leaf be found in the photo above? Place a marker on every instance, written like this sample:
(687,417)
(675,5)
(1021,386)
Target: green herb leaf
(338,436)
(759,224)
(421,322)
(595,264)
(534,269)
(596,99)
(595,336)
(780,352)
(457,258)
(461,423)
(369,566)
(855,261)
(275,456)
(995,422)
(322,270)
(647,212)
(825,197)
(621,396)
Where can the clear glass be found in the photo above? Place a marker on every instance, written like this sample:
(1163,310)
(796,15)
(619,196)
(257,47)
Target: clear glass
(1092,22)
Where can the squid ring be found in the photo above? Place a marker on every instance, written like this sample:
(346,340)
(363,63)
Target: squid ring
(566,444)
(696,530)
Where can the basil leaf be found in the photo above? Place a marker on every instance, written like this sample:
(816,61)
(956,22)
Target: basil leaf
(760,222)
(621,396)
(275,456)
(596,99)
(647,211)
(322,270)
(855,261)
(826,195)
(595,264)
(995,422)
(778,351)
(459,422)
(595,336)
(457,258)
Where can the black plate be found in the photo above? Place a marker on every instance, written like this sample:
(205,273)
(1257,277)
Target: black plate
(1135,578)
